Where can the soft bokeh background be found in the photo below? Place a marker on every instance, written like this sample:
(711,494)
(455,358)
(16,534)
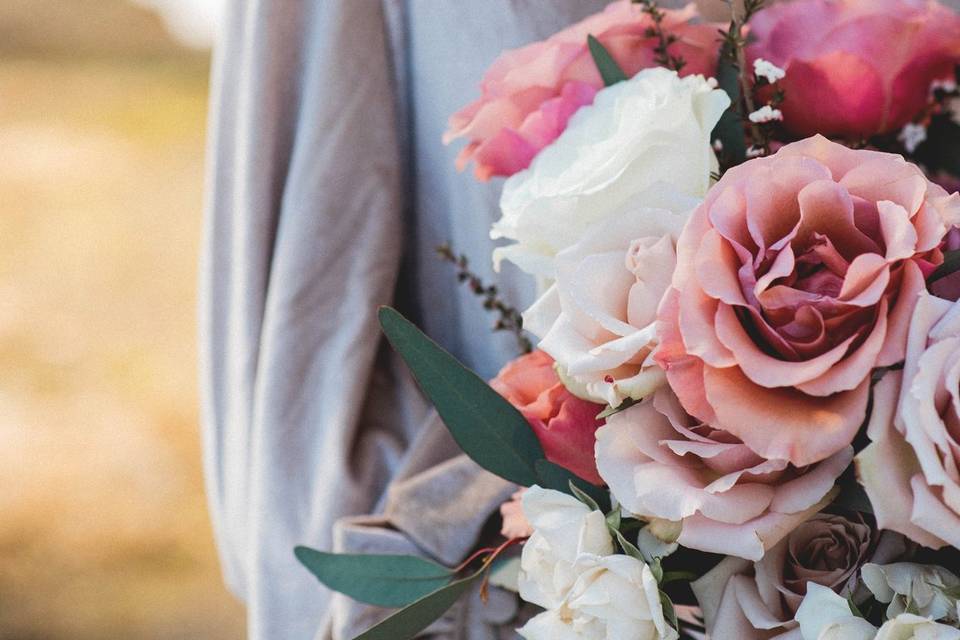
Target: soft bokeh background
(103,527)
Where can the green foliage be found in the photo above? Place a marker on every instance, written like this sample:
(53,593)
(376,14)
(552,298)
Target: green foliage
(729,130)
(609,70)
(381,580)
(408,622)
(487,427)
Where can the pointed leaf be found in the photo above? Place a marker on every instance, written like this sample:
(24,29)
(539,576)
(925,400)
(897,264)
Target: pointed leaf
(408,622)
(609,70)
(487,427)
(553,476)
(381,580)
(729,129)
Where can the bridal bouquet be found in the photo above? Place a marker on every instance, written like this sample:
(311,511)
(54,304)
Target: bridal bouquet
(741,417)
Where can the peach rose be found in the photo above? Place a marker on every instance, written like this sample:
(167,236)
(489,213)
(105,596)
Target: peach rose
(529,94)
(795,279)
(564,423)
(911,471)
(661,463)
(856,67)
(743,599)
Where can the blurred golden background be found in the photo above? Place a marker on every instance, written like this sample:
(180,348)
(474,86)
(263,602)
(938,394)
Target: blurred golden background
(103,524)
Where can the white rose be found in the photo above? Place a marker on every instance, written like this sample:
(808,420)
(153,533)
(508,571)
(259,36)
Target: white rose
(614,597)
(598,321)
(564,530)
(922,587)
(643,143)
(907,626)
(824,615)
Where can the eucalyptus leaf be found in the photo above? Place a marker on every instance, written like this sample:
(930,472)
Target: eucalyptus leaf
(381,580)
(668,611)
(487,427)
(411,620)
(629,548)
(580,495)
(553,476)
(609,70)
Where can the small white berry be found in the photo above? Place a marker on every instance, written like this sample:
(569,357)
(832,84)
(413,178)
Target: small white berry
(912,135)
(947,85)
(754,151)
(766,113)
(766,69)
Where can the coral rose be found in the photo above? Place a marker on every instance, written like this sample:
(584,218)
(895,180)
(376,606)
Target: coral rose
(856,68)
(795,279)
(529,94)
(911,471)
(661,463)
(564,423)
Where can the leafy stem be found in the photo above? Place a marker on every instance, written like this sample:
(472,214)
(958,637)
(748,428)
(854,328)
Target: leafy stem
(509,318)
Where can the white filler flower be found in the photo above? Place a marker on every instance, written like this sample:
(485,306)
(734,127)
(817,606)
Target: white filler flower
(766,113)
(767,70)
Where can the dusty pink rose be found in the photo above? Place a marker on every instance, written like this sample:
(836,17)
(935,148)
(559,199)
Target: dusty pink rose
(911,470)
(514,522)
(564,423)
(856,67)
(529,94)
(796,278)
(742,599)
(659,462)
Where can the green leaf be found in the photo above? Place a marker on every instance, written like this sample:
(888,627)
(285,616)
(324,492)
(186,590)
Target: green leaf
(411,620)
(505,573)
(951,264)
(853,498)
(583,497)
(381,580)
(609,70)
(854,609)
(614,518)
(668,611)
(729,129)
(629,548)
(487,427)
(609,411)
(553,476)
(674,576)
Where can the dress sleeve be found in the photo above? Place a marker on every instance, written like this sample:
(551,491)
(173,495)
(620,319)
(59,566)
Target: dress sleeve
(303,235)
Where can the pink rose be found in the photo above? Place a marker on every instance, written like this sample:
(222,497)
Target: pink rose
(529,94)
(742,599)
(796,278)
(856,68)
(911,471)
(564,423)
(660,462)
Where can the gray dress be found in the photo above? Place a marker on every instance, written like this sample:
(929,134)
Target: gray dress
(328,191)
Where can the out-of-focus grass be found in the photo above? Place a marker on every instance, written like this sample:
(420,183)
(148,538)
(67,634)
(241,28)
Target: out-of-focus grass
(103,524)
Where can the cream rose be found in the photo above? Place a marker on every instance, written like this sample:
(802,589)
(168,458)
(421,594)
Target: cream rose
(824,615)
(911,470)
(922,588)
(615,596)
(598,319)
(642,143)
(564,529)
